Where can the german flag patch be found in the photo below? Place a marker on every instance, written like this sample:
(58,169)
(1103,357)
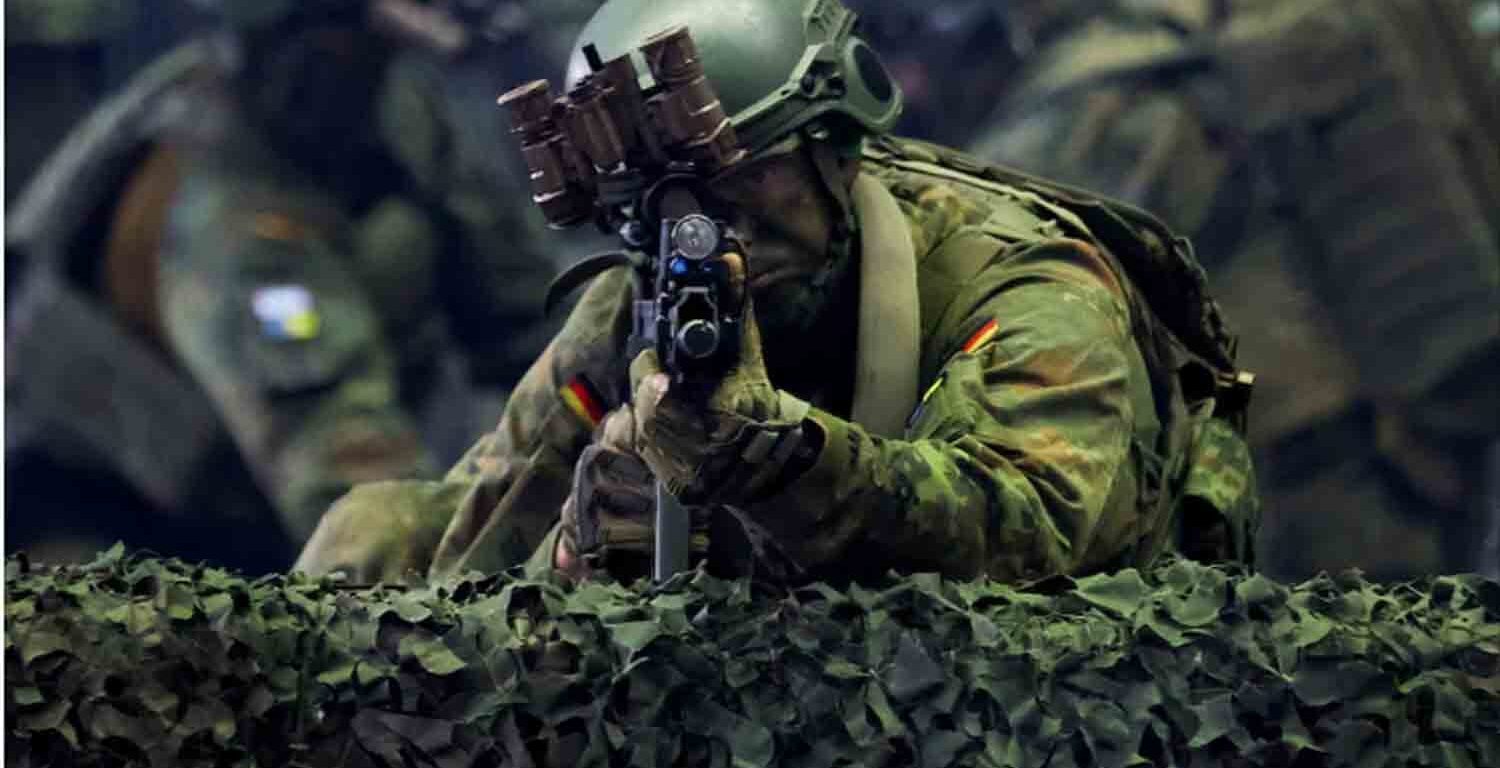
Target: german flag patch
(583,400)
(982,336)
(979,338)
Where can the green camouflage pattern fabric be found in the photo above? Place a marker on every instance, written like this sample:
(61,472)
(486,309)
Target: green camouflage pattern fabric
(1341,192)
(1038,452)
(133,660)
(413,515)
(1220,489)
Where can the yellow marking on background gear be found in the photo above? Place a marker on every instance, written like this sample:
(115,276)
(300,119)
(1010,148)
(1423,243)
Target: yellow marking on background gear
(304,325)
(581,403)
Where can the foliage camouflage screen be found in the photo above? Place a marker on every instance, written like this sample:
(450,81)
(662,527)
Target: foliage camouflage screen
(132,661)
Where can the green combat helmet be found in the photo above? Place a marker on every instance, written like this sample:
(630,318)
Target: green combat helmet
(770,84)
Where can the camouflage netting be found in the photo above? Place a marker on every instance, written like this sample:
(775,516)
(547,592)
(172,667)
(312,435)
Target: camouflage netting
(136,661)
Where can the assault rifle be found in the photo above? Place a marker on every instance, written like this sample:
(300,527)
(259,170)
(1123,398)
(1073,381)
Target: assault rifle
(635,160)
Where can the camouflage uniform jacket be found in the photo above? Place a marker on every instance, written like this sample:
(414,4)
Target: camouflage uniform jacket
(1044,443)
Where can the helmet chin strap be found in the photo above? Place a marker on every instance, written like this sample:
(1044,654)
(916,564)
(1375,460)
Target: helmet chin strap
(841,244)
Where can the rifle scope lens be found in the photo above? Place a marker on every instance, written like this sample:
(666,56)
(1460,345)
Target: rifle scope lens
(698,339)
(695,237)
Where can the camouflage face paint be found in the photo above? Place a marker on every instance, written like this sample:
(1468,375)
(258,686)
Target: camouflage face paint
(787,222)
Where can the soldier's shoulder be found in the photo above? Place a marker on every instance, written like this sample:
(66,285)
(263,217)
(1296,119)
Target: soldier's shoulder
(591,342)
(956,193)
(945,192)
(919,173)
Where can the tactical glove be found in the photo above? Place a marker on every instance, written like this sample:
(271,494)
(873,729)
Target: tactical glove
(607,520)
(742,440)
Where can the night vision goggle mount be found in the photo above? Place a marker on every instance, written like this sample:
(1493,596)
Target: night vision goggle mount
(636,161)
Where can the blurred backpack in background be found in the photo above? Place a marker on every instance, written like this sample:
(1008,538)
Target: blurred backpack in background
(1337,164)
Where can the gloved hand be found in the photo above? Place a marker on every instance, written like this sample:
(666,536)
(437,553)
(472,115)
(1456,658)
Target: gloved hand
(729,446)
(607,519)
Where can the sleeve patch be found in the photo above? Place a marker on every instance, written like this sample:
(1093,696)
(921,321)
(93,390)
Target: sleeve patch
(583,400)
(981,336)
(286,312)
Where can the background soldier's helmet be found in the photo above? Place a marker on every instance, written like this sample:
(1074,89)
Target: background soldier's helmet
(778,65)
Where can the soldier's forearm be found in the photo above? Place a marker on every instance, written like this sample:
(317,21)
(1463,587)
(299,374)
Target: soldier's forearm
(956,507)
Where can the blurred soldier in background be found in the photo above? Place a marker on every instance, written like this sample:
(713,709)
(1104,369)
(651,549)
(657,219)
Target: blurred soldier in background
(1337,163)
(281,259)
